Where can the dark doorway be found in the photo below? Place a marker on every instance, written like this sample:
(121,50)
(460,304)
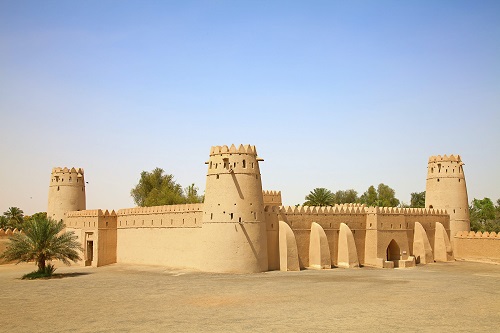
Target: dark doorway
(393,251)
(90,253)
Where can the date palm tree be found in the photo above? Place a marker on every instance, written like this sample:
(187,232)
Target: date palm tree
(42,241)
(320,197)
(14,216)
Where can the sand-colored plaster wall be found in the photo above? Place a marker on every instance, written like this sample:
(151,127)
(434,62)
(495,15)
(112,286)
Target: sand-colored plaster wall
(272,217)
(477,246)
(169,216)
(5,241)
(329,218)
(99,227)
(171,247)
(272,198)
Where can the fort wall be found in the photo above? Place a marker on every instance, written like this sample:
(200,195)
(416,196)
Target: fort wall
(373,228)
(272,198)
(96,231)
(300,219)
(4,241)
(477,246)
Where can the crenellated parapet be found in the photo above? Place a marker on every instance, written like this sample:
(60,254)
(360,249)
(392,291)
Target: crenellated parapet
(168,216)
(445,167)
(328,210)
(242,149)
(272,198)
(477,246)
(65,176)
(478,234)
(92,219)
(91,213)
(197,207)
(10,232)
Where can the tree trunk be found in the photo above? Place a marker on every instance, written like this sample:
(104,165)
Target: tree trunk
(41,264)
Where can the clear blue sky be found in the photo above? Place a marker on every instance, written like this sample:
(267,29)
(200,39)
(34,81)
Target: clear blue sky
(335,94)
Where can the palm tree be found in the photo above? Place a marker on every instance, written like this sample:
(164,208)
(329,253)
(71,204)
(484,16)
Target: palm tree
(3,222)
(42,241)
(14,216)
(320,197)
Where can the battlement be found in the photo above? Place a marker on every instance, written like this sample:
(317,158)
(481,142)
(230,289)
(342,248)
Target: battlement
(479,234)
(91,213)
(197,207)
(445,158)
(242,149)
(331,210)
(272,198)
(406,211)
(10,232)
(65,176)
(353,208)
(64,170)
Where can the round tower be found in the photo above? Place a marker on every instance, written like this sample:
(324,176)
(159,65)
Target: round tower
(446,189)
(234,230)
(66,192)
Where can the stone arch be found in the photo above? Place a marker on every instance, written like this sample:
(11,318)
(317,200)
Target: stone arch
(393,251)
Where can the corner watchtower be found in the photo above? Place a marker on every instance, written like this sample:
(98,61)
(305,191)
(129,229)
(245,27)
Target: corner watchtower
(66,192)
(234,228)
(446,189)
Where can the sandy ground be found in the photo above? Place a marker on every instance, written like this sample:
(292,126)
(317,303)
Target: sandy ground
(459,296)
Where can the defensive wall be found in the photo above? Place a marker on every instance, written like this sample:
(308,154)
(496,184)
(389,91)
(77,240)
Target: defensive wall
(4,240)
(372,230)
(477,246)
(162,235)
(241,228)
(96,231)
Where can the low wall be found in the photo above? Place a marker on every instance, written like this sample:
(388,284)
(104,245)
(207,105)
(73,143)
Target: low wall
(4,241)
(477,246)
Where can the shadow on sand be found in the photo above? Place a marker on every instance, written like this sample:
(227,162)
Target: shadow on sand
(67,275)
(58,276)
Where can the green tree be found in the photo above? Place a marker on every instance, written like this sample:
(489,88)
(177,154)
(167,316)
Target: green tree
(347,196)
(417,200)
(320,197)
(484,216)
(191,194)
(15,217)
(370,197)
(383,196)
(387,196)
(3,222)
(156,188)
(43,240)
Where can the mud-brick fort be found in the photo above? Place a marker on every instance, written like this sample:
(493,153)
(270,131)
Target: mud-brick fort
(240,228)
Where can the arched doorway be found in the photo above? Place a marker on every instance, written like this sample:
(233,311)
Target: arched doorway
(393,252)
